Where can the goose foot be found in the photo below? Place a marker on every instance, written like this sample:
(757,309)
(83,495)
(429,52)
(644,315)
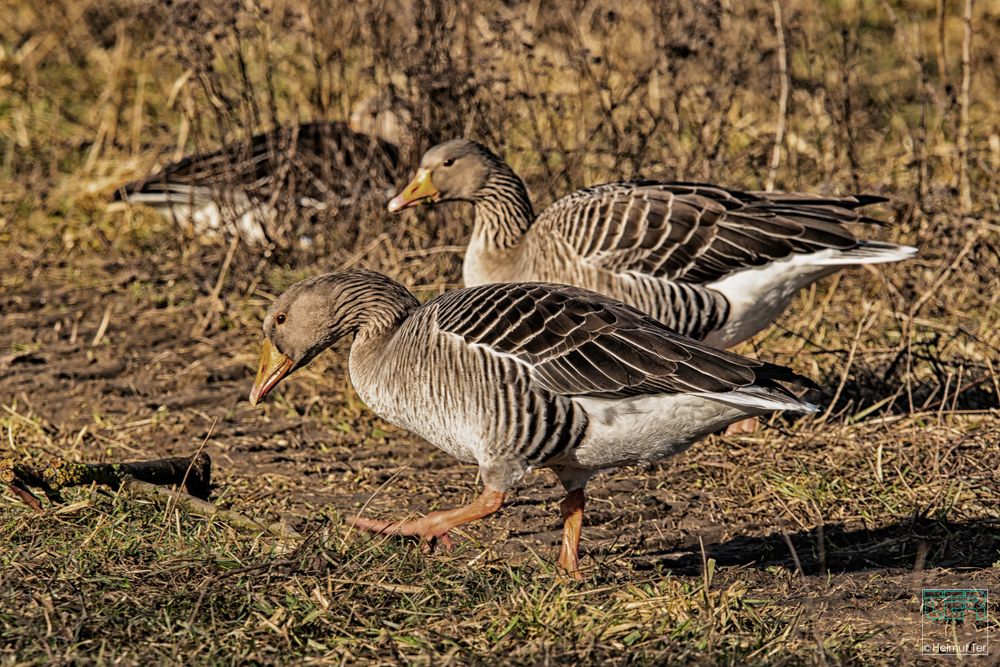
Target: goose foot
(572,513)
(742,427)
(434,527)
(431,535)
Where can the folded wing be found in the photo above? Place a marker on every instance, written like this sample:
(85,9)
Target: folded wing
(698,233)
(310,159)
(578,343)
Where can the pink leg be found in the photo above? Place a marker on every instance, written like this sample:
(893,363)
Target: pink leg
(572,513)
(435,526)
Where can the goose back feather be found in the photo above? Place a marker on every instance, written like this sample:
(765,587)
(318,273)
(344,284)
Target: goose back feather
(694,232)
(317,165)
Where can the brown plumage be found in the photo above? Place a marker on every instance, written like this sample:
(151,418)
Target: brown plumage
(519,375)
(313,166)
(713,263)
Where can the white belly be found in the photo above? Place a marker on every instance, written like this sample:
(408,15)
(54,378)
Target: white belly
(648,428)
(206,218)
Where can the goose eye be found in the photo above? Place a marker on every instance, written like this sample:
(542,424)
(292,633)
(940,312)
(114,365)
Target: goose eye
(447,163)
(280,318)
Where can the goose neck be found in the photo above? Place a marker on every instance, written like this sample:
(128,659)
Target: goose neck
(503,210)
(378,312)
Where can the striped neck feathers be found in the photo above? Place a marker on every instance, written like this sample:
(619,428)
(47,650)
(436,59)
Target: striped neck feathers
(503,208)
(375,306)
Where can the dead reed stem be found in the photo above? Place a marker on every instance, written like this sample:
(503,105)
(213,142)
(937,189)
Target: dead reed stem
(963,124)
(779,133)
(916,62)
(942,62)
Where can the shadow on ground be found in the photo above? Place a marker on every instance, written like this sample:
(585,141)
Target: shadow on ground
(915,543)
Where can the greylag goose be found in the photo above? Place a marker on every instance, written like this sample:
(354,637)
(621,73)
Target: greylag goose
(313,166)
(517,376)
(712,263)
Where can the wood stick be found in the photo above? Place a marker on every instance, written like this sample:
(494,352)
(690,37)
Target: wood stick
(795,555)
(779,133)
(63,474)
(964,189)
(206,509)
(148,479)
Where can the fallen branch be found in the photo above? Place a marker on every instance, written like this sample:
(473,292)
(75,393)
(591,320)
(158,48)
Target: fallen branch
(206,509)
(194,472)
(148,479)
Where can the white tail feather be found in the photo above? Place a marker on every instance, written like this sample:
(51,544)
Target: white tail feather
(759,398)
(758,296)
(867,252)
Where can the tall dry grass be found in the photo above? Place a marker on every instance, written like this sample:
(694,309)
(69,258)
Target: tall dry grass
(896,99)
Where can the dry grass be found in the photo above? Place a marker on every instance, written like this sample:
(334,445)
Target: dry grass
(808,542)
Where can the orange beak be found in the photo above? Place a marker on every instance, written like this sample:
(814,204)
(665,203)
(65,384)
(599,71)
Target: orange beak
(421,190)
(272,368)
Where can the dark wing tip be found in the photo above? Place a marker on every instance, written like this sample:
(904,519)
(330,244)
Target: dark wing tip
(122,192)
(867,200)
(775,373)
(858,201)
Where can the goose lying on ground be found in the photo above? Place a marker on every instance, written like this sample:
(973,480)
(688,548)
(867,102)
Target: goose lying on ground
(715,264)
(313,166)
(518,376)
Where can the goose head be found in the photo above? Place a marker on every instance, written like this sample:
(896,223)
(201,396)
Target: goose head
(301,323)
(315,313)
(453,171)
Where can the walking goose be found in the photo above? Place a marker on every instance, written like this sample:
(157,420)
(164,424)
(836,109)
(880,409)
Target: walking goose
(712,263)
(315,166)
(517,376)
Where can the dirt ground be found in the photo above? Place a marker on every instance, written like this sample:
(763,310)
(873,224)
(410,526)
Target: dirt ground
(845,523)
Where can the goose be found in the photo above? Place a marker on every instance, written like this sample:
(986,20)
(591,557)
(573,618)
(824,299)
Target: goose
(713,263)
(313,166)
(517,376)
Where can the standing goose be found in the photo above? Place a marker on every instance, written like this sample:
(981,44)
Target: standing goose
(517,376)
(715,264)
(312,166)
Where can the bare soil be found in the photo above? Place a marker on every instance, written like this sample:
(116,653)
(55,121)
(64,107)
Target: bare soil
(112,365)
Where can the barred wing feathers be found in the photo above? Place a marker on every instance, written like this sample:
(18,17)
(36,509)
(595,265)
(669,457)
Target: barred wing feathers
(313,156)
(578,343)
(698,233)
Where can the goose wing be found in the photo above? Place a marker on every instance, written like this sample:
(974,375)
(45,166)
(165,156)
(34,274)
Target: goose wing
(579,343)
(698,233)
(310,156)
